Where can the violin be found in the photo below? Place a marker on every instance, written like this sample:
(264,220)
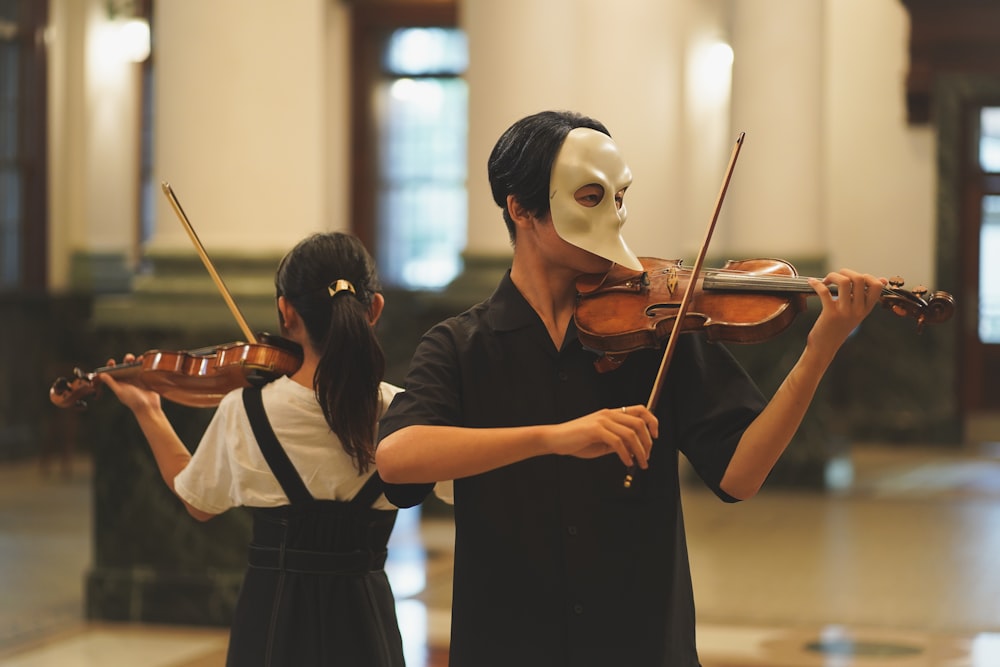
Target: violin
(745,301)
(197,378)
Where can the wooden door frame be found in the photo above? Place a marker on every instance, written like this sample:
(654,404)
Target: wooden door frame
(370,19)
(954,95)
(32,149)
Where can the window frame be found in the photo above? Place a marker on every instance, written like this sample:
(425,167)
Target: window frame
(371,23)
(31,156)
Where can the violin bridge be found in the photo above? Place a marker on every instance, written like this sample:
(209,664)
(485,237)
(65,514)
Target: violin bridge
(672,279)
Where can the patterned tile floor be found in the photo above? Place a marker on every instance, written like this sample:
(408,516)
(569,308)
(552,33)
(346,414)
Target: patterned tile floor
(897,570)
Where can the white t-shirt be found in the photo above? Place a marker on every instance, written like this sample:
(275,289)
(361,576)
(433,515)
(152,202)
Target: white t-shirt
(228,469)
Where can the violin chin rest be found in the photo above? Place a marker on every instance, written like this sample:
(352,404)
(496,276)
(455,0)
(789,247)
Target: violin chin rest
(259,378)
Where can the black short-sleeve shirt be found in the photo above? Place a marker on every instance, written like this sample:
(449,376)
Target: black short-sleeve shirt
(556,562)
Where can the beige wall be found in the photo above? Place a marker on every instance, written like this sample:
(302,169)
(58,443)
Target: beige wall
(618,62)
(881,176)
(241,121)
(93,135)
(252,131)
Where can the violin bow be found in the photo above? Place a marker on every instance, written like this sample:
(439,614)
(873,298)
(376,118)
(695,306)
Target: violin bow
(668,352)
(233,308)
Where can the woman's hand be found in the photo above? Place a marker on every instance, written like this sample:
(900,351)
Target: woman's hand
(133,396)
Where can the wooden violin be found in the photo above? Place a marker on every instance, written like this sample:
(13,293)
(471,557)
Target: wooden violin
(199,377)
(196,378)
(746,301)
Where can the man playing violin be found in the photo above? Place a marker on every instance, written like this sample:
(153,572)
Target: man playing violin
(556,561)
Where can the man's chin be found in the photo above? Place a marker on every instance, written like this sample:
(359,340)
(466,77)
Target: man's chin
(598,264)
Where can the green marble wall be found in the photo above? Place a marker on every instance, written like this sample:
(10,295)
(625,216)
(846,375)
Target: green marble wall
(152,561)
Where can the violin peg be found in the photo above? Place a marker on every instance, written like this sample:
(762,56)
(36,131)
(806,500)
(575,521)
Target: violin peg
(896,281)
(920,291)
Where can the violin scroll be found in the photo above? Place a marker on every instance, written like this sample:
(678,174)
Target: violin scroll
(914,303)
(74,392)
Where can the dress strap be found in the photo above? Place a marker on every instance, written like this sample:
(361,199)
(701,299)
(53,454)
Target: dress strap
(289,479)
(370,492)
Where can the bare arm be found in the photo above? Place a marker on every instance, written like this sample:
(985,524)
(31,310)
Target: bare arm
(768,436)
(169,452)
(422,454)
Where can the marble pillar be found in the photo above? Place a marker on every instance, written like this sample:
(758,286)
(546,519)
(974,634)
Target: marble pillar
(243,132)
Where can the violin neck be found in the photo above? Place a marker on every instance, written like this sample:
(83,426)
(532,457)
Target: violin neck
(124,369)
(735,281)
(162,360)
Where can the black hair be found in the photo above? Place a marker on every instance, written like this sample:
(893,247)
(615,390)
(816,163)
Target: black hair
(351,361)
(521,161)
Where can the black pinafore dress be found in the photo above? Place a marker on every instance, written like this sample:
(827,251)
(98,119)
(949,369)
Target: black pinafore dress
(315,592)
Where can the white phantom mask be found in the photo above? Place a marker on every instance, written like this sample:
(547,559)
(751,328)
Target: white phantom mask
(588,156)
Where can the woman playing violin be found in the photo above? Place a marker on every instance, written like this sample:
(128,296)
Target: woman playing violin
(556,562)
(299,451)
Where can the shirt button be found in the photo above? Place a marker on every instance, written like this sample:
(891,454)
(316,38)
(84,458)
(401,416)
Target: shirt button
(563,376)
(578,608)
(572,530)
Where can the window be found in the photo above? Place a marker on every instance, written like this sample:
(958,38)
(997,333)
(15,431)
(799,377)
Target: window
(989,271)
(989,139)
(11,188)
(149,190)
(989,230)
(23,182)
(421,105)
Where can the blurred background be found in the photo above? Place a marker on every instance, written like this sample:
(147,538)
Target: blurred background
(872,142)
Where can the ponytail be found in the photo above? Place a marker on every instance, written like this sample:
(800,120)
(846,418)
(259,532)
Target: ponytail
(348,376)
(330,280)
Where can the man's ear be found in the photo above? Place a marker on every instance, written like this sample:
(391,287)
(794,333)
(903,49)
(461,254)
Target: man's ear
(518,213)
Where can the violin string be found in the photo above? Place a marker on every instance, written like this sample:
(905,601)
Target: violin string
(124,366)
(738,279)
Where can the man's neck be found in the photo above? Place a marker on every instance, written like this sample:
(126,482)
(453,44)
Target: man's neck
(551,293)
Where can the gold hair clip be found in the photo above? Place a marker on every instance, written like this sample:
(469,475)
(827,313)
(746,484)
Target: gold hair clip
(340,285)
